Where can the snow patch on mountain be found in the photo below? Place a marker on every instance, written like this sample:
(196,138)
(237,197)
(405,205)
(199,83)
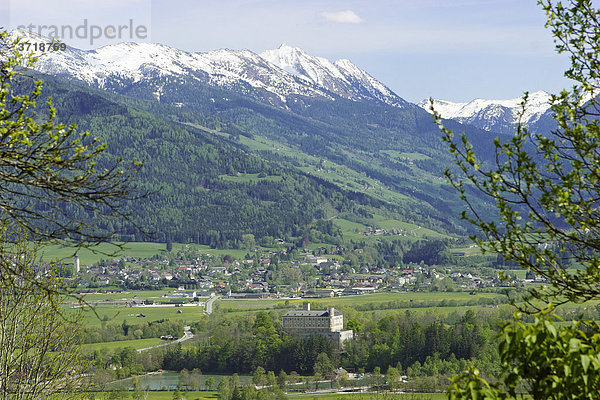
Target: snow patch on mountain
(317,70)
(341,77)
(500,115)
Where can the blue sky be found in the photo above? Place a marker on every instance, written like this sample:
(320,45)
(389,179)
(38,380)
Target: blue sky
(450,49)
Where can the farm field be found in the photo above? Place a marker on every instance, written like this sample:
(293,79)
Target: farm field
(411,231)
(397,296)
(368,303)
(471,250)
(119,314)
(352,301)
(249,178)
(128,295)
(397,155)
(111,346)
(89,256)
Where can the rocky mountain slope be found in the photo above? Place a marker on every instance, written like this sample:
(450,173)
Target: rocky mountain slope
(498,116)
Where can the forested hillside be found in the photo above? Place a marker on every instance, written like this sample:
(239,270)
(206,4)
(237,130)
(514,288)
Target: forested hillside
(215,170)
(185,173)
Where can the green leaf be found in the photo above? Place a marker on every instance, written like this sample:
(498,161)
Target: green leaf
(574,345)
(585,363)
(550,326)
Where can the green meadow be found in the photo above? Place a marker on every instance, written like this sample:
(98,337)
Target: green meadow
(249,178)
(351,229)
(398,155)
(112,346)
(106,251)
(112,314)
(350,301)
(128,295)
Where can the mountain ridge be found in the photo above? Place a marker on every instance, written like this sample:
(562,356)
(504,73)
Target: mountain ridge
(499,116)
(115,66)
(341,77)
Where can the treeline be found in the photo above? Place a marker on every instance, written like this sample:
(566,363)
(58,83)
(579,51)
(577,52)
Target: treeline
(401,340)
(398,340)
(231,355)
(419,346)
(241,346)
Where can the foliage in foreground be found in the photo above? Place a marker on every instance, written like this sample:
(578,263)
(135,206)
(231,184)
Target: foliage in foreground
(544,359)
(546,190)
(43,166)
(38,342)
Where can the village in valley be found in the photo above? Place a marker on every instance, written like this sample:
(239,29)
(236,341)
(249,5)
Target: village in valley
(192,274)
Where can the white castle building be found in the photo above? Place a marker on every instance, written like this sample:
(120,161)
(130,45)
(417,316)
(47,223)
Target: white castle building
(308,322)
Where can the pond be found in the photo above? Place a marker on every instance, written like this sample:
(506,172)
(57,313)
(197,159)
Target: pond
(168,381)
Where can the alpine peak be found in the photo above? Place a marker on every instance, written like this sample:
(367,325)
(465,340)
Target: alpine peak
(493,115)
(273,75)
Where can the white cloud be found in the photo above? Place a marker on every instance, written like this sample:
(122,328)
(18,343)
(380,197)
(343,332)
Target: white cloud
(347,17)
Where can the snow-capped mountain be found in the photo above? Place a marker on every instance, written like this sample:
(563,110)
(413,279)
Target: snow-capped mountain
(499,116)
(341,77)
(122,66)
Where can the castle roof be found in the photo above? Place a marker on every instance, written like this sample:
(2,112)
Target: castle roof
(311,313)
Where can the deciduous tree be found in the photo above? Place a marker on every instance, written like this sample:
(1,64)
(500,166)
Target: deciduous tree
(39,354)
(48,171)
(47,168)
(546,188)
